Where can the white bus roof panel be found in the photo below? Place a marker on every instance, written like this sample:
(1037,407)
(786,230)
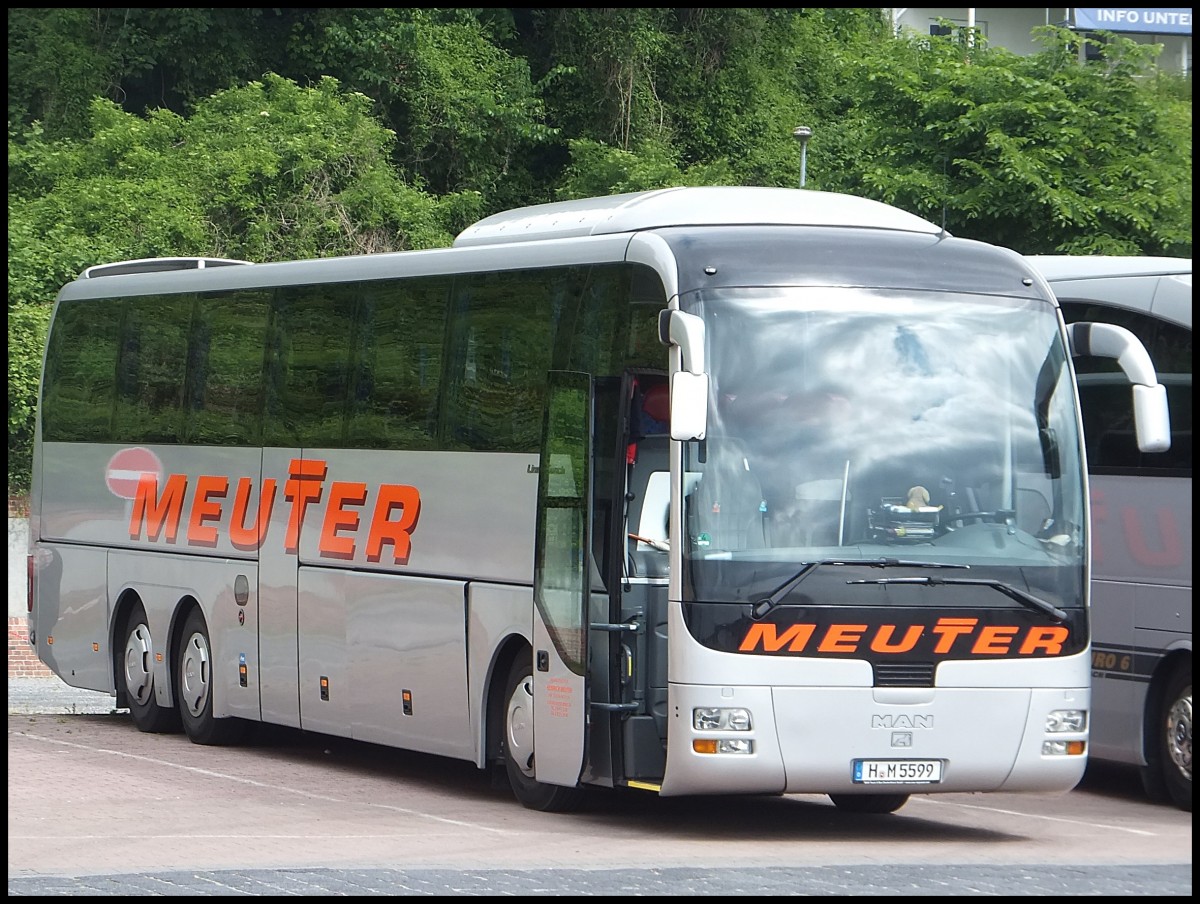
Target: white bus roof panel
(1161,286)
(691,206)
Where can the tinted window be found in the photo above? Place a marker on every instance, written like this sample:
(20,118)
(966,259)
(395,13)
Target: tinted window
(152,361)
(81,369)
(308,365)
(225,363)
(501,336)
(397,364)
(1107,400)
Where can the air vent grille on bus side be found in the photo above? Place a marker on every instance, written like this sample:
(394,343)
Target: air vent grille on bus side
(158,265)
(904,674)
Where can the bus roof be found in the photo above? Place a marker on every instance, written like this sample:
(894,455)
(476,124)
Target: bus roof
(1096,266)
(1160,286)
(689,206)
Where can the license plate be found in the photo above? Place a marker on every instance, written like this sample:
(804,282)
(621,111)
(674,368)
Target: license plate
(910,772)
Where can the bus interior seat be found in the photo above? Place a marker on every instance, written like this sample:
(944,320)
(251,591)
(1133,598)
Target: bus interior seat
(649,503)
(817,512)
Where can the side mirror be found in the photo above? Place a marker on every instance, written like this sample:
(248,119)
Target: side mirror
(687,332)
(689,405)
(1151,416)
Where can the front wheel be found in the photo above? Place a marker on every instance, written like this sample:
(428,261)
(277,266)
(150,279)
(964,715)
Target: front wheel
(194,687)
(869,803)
(137,677)
(1169,767)
(517,744)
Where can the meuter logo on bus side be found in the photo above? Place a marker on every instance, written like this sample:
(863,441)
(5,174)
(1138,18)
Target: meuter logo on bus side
(394,511)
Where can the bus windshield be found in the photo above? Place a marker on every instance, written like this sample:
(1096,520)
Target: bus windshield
(858,425)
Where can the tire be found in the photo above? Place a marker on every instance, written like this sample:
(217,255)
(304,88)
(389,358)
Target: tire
(194,687)
(516,745)
(869,803)
(136,674)
(1168,774)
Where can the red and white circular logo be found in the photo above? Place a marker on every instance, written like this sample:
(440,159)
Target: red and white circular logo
(126,468)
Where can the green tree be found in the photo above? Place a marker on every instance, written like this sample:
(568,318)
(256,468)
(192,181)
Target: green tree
(1040,153)
(263,172)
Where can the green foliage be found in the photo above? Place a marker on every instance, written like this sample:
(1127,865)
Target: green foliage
(262,172)
(26,344)
(1038,153)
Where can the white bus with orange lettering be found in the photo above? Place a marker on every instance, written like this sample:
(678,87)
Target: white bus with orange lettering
(1141,517)
(695,491)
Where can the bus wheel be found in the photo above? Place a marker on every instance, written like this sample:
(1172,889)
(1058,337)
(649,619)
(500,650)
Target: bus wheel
(194,688)
(137,676)
(1172,740)
(869,803)
(517,744)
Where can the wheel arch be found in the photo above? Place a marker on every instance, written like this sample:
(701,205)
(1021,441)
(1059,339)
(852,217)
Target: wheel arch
(117,628)
(1178,658)
(507,651)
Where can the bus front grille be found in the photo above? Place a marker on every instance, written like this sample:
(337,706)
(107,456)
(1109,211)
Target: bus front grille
(904,674)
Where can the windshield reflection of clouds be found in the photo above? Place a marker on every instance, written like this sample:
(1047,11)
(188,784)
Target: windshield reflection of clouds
(865,395)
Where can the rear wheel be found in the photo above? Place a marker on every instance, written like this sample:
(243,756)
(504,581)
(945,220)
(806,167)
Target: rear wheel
(869,803)
(194,686)
(137,676)
(1169,768)
(517,746)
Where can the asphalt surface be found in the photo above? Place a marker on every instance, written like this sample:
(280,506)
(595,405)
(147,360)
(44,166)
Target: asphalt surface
(51,696)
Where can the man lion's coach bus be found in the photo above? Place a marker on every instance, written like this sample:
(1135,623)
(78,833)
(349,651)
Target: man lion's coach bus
(698,491)
(1141,518)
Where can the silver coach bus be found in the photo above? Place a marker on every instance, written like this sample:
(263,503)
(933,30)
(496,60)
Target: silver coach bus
(1141,518)
(696,491)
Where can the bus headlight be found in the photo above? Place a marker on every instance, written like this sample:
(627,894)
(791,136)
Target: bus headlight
(1066,720)
(718,718)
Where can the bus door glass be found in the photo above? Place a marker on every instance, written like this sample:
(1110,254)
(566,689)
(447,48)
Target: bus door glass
(561,582)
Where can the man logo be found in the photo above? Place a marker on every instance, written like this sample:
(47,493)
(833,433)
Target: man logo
(902,721)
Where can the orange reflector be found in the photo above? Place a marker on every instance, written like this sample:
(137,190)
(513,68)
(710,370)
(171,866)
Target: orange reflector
(704,745)
(95,648)
(324,681)
(50,639)
(1075,748)
(158,657)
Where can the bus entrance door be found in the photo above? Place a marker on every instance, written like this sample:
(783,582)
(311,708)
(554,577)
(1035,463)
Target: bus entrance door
(561,582)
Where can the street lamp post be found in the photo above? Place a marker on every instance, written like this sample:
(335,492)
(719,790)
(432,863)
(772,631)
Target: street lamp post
(802,134)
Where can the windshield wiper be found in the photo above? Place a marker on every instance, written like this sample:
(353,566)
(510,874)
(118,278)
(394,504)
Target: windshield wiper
(1016,593)
(767,603)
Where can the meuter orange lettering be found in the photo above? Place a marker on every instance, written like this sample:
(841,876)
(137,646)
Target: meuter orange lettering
(391,496)
(341,493)
(156,512)
(1050,639)
(767,634)
(842,638)
(203,509)
(303,487)
(250,538)
(994,639)
(882,642)
(1169,553)
(949,630)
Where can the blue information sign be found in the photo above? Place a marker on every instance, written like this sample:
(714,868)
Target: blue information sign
(1139,20)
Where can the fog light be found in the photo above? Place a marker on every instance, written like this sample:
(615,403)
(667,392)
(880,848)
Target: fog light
(1064,720)
(717,718)
(1063,748)
(731,745)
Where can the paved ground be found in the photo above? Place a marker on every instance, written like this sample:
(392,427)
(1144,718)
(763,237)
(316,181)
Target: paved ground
(51,696)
